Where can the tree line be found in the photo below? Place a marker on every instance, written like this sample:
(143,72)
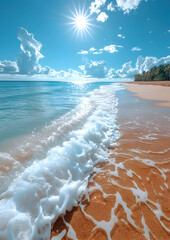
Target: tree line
(160,73)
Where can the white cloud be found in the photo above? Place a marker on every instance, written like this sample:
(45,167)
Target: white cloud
(96,5)
(68,74)
(111,48)
(125,5)
(92,49)
(102,17)
(145,64)
(47,71)
(127,70)
(163,60)
(139,62)
(96,69)
(169,47)
(8,67)
(27,59)
(142,64)
(83,52)
(128,5)
(137,49)
(82,67)
(111,73)
(110,7)
(120,36)
(169,31)
(96,53)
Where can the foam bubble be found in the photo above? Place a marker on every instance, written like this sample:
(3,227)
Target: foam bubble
(47,188)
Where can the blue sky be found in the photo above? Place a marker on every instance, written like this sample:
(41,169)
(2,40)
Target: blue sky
(129,29)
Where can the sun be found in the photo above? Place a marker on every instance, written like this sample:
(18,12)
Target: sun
(81,22)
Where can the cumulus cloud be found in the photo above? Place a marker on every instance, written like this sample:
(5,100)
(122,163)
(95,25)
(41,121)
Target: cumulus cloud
(96,5)
(102,17)
(111,48)
(142,64)
(110,7)
(47,71)
(92,49)
(96,69)
(83,52)
(128,5)
(82,67)
(127,70)
(8,67)
(163,60)
(137,49)
(27,60)
(97,53)
(111,73)
(120,36)
(67,75)
(145,64)
(125,5)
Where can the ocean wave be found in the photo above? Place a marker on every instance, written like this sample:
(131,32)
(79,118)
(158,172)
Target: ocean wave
(46,188)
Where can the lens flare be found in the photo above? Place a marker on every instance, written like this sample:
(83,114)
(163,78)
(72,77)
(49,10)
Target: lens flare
(81,22)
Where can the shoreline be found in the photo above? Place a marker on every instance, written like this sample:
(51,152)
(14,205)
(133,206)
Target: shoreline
(128,194)
(153,91)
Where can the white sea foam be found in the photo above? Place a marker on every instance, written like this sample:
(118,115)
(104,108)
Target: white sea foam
(46,188)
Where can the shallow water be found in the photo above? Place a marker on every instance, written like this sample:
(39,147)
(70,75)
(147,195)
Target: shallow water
(59,132)
(27,106)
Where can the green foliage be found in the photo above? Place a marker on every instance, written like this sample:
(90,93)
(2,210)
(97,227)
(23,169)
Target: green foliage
(160,73)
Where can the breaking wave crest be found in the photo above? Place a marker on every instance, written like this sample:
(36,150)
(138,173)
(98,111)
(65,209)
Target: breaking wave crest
(44,189)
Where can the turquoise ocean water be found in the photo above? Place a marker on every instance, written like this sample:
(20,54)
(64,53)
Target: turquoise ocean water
(28,106)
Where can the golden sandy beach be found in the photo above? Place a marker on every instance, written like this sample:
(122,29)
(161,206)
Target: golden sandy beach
(157,91)
(129,196)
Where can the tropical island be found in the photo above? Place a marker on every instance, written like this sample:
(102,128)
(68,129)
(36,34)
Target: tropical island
(160,73)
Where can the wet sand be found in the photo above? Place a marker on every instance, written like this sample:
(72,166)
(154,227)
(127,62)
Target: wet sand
(156,91)
(128,196)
